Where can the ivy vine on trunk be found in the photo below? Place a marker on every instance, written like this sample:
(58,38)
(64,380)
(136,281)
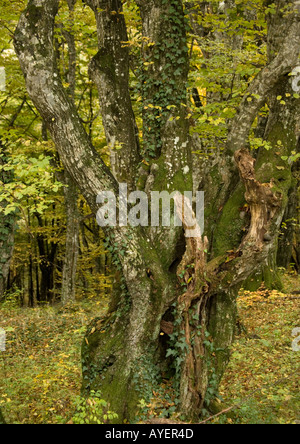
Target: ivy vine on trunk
(124,353)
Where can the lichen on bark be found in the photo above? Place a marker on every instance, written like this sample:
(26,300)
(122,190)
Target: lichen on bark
(119,349)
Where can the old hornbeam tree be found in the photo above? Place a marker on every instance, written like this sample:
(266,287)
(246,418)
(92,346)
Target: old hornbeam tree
(162,287)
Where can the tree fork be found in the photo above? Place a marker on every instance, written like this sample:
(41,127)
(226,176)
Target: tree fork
(114,347)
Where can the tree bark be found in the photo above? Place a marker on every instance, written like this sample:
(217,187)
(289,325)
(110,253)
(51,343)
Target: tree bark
(47,254)
(68,288)
(122,353)
(109,70)
(7,233)
(296,249)
(288,246)
(72,242)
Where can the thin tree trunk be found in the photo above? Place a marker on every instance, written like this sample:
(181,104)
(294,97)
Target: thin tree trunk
(7,232)
(7,228)
(72,242)
(47,255)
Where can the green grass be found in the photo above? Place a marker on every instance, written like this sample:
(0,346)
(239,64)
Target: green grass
(40,371)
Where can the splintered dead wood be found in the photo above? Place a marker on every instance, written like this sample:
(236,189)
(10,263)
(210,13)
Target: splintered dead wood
(263,202)
(192,304)
(196,247)
(264,206)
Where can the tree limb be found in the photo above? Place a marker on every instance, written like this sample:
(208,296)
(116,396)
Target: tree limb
(263,84)
(109,69)
(34,47)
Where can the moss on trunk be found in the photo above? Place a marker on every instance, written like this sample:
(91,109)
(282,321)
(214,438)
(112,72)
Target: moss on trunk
(121,352)
(221,326)
(106,365)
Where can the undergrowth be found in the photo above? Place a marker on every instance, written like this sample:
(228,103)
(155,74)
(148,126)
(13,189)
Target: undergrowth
(40,371)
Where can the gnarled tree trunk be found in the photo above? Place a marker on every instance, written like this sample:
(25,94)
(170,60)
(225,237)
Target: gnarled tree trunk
(123,352)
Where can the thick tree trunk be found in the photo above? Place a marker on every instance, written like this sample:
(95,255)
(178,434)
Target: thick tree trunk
(283,132)
(227,223)
(122,352)
(131,353)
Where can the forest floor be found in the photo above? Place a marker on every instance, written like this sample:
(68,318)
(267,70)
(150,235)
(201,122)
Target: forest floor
(40,371)
(263,374)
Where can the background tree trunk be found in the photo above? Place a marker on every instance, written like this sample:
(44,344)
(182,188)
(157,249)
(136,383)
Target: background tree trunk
(7,232)
(47,254)
(288,245)
(72,242)
(296,249)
